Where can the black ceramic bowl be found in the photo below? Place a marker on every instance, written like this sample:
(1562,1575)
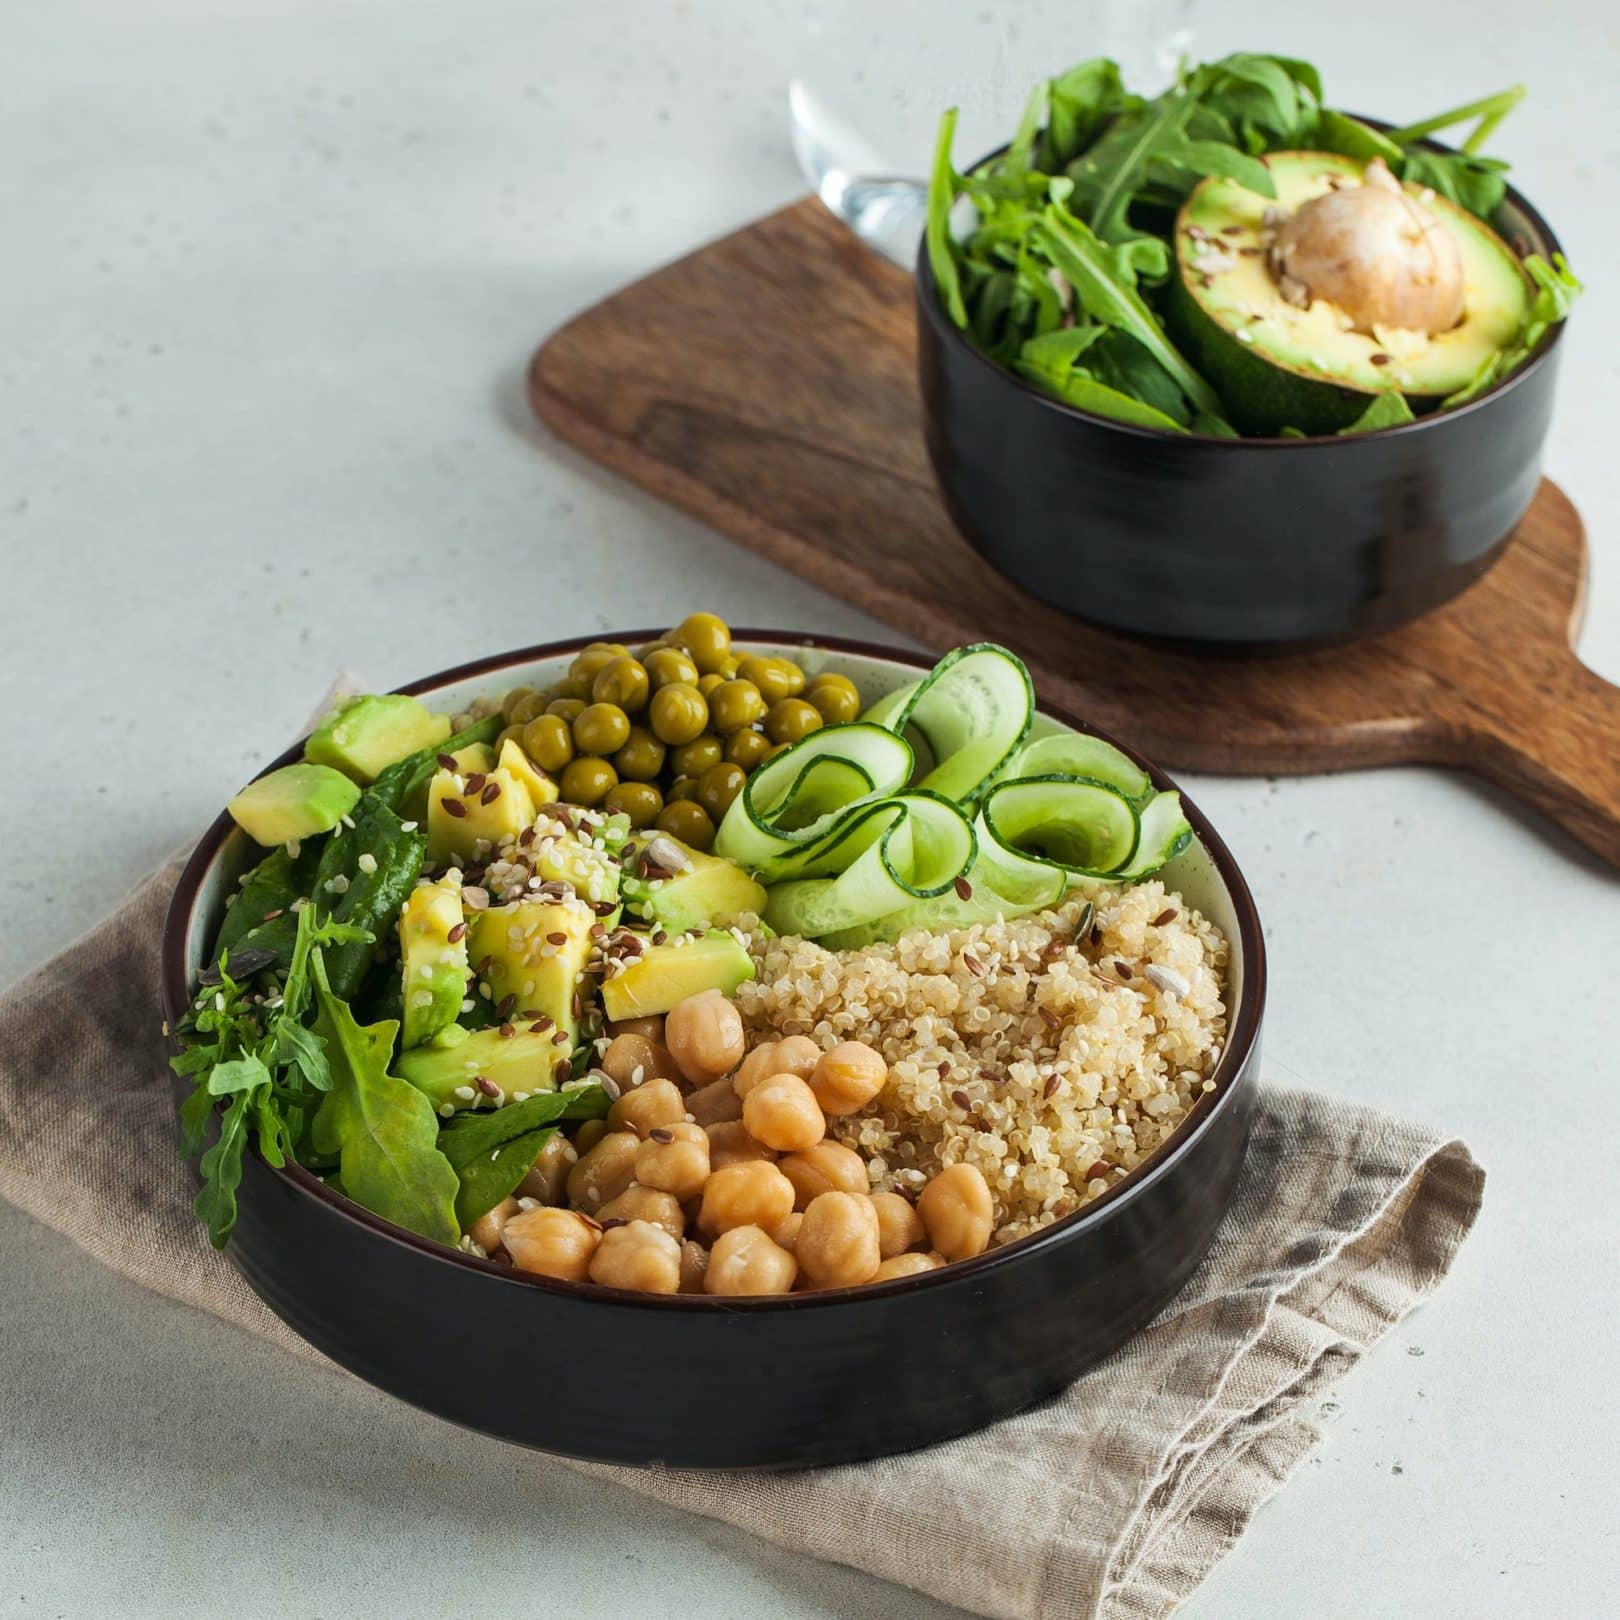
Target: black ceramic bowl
(1238,543)
(695,1382)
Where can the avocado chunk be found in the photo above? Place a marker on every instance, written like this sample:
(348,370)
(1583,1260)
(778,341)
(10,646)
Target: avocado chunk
(449,1067)
(363,736)
(433,965)
(682,889)
(664,975)
(297,801)
(521,768)
(534,951)
(460,816)
(1285,355)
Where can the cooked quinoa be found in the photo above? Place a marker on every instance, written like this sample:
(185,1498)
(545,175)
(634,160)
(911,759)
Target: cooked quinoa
(1055,1065)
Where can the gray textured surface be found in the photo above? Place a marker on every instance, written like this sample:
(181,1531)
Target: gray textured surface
(271,277)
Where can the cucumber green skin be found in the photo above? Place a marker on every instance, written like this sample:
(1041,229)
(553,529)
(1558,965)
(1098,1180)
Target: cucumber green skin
(1261,399)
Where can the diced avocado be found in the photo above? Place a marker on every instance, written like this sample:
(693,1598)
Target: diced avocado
(448,1071)
(518,764)
(1299,361)
(535,952)
(699,891)
(365,735)
(294,802)
(473,758)
(568,854)
(498,809)
(434,967)
(666,974)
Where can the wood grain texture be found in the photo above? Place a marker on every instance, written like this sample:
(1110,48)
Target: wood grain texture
(765,384)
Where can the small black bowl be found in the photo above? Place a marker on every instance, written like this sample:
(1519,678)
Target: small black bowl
(698,1382)
(1243,544)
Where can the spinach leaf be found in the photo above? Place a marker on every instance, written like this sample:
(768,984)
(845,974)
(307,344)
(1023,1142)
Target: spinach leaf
(942,187)
(1349,137)
(1474,183)
(382,1129)
(271,886)
(1389,409)
(492,1152)
(1079,103)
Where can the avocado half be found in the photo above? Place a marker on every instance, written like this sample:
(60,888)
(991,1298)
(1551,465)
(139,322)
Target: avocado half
(1277,365)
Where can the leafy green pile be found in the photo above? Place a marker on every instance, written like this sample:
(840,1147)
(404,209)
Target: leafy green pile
(273,1045)
(1061,277)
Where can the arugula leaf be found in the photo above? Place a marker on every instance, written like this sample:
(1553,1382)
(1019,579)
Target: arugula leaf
(492,1152)
(1388,409)
(237,1074)
(221,1170)
(383,1130)
(1079,103)
(1103,292)
(941,199)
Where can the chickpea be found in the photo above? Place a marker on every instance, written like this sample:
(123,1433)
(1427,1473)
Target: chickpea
(745,1261)
(639,1203)
(603,1172)
(674,1158)
(552,1242)
(649,1105)
(825,1167)
(796,1055)
(955,1207)
(899,1225)
(717,1101)
(694,1262)
(704,1035)
(730,1143)
(783,1113)
(838,1240)
(799,1055)
(785,1234)
(848,1077)
(906,1265)
(650,1028)
(486,1230)
(634,1059)
(588,1135)
(641,1257)
(750,1194)
(547,1179)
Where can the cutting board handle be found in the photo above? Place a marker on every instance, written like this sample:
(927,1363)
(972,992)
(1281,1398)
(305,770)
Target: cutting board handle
(1551,736)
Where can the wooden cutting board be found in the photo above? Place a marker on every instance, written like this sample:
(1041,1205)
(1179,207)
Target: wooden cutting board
(765,384)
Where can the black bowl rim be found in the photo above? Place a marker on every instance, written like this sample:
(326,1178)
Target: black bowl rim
(928,302)
(1242,1031)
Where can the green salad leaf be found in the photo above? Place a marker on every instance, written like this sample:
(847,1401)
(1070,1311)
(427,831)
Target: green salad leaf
(492,1152)
(1556,291)
(1387,410)
(1065,274)
(382,1129)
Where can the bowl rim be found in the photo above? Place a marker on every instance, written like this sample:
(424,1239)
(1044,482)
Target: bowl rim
(929,308)
(1243,1026)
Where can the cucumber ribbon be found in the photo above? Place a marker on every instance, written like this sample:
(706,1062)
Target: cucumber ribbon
(994,825)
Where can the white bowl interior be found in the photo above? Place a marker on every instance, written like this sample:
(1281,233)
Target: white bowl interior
(1193,873)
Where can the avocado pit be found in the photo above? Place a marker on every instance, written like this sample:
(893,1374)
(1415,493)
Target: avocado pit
(1374,252)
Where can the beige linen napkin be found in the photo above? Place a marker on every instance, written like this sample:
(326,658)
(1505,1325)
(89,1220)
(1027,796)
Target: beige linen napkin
(1114,1500)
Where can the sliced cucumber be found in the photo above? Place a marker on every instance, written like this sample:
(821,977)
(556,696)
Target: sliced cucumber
(922,850)
(981,899)
(973,710)
(1073,753)
(1061,821)
(1164,832)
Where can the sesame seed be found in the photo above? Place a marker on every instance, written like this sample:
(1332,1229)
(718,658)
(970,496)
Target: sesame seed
(367,862)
